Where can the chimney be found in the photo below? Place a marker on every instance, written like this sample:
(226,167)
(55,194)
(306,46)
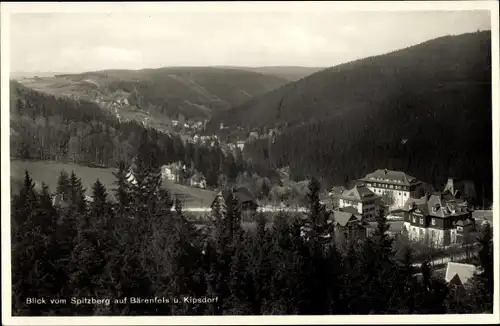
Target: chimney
(450,185)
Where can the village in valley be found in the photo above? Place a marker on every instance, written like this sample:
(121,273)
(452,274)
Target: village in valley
(442,220)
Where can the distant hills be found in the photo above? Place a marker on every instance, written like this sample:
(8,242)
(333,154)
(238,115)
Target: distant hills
(425,109)
(290,73)
(194,92)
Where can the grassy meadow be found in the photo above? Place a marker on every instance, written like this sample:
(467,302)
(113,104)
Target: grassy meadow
(48,172)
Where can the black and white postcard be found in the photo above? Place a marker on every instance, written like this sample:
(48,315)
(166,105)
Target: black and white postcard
(250,162)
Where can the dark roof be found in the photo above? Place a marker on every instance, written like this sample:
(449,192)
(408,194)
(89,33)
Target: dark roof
(350,210)
(438,204)
(244,195)
(395,177)
(358,193)
(337,190)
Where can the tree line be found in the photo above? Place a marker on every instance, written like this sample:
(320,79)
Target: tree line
(139,247)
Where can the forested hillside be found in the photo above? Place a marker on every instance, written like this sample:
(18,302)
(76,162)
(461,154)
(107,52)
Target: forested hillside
(425,110)
(46,127)
(193,92)
(139,249)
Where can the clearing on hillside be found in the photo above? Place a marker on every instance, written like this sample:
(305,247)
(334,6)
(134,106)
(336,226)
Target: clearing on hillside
(48,172)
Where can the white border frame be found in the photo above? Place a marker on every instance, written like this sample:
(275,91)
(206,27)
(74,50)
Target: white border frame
(8,8)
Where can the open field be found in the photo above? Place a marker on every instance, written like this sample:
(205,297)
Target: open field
(48,172)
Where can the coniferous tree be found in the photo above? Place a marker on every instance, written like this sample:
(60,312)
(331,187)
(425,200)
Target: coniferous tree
(146,172)
(77,194)
(99,205)
(481,289)
(315,212)
(25,248)
(122,191)
(378,265)
(63,185)
(25,203)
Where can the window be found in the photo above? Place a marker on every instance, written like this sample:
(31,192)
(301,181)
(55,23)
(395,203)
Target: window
(414,219)
(399,193)
(459,228)
(433,221)
(421,220)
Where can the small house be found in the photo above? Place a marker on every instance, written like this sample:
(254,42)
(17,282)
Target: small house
(198,180)
(347,226)
(244,197)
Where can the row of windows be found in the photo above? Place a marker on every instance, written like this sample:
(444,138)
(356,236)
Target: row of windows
(433,220)
(349,202)
(388,186)
(399,193)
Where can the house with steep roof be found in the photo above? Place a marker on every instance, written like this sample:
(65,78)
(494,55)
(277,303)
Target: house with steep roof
(245,199)
(362,199)
(439,218)
(347,226)
(352,210)
(395,184)
(335,194)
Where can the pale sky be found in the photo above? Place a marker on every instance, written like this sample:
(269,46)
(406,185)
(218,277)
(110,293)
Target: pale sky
(70,42)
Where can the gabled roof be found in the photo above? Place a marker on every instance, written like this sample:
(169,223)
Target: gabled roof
(337,191)
(396,177)
(244,195)
(464,272)
(358,193)
(438,205)
(342,218)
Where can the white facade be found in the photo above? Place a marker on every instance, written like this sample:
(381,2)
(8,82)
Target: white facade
(362,199)
(365,209)
(429,235)
(400,196)
(399,185)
